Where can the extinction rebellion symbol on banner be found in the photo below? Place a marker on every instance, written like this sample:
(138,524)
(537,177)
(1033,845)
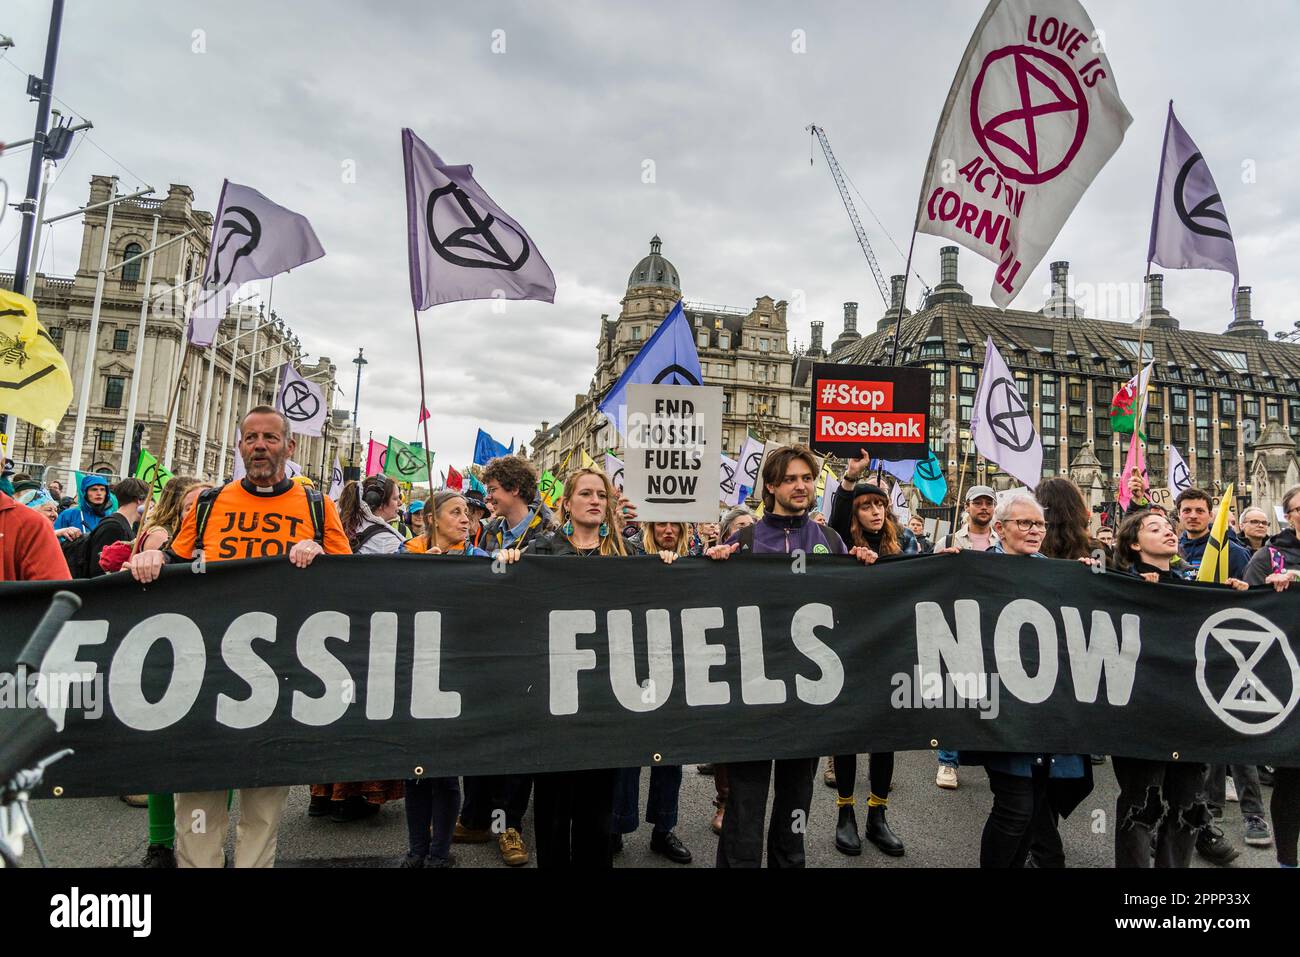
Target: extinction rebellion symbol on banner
(1249,641)
(1046,86)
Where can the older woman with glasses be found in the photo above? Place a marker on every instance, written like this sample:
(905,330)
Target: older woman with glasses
(1278,564)
(1029,790)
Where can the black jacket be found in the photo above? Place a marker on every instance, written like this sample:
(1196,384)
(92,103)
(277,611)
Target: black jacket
(1260,565)
(114,528)
(555,543)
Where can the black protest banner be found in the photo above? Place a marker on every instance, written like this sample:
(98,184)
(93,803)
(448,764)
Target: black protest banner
(258,673)
(881,408)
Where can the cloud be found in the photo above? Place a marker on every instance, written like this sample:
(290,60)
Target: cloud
(289,97)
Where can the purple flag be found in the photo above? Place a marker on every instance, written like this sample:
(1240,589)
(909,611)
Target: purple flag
(1001,423)
(1189,228)
(210,307)
(254,238)
(461,244)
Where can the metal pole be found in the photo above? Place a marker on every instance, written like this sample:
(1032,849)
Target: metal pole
(138,374)
(230,401)
(87,374)
(359,361)
(200,468)
(252,366)
(36,230)
(28,206)
(173,413)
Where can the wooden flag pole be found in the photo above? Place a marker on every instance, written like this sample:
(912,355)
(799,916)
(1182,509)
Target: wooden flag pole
(171,405)
(424,422)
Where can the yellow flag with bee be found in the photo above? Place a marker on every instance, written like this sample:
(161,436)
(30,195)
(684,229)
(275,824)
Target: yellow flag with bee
(34,380)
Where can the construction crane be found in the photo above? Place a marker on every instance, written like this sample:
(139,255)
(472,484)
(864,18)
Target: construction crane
(842,185)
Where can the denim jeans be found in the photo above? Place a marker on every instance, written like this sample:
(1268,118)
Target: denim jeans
(741,844)
(1164,796)
(1246,777)
(661,803)
(949,758)
(431,806)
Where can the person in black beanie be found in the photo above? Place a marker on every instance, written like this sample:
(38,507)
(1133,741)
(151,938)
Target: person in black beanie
(861,515)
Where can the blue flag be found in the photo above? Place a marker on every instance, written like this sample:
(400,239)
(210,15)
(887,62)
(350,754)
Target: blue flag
(487,448)
(667,358)
(929,481)
(901,470)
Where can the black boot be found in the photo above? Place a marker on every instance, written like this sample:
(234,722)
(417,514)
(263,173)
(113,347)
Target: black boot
(846,832)
(879,834)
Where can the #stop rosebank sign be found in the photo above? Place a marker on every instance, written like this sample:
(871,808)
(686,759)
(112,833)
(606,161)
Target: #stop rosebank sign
(884,409)
(674,452)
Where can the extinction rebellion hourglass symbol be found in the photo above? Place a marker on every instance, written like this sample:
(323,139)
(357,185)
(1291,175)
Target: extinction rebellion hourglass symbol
(1049,95)
(1008,416)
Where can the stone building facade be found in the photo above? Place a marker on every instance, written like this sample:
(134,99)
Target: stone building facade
(746,352)
(65,303)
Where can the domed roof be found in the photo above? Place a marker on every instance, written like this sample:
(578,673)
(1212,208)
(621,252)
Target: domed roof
(655,270)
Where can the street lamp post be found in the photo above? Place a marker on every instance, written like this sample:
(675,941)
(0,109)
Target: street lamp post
(359,361)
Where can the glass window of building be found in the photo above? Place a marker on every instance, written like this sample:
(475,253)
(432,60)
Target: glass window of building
(121,339)
(113,392)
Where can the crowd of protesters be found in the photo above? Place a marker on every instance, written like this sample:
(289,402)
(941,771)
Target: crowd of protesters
(1166,810)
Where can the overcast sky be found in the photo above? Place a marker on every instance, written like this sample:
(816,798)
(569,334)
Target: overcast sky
(289,96)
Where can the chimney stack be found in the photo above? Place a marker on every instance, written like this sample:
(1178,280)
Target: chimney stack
(896,284)
(850,333)
(948,266)
(1059,305)
(816,347)
(1242,324)
(949,289)
(1156,314)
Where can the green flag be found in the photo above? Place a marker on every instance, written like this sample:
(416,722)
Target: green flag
(406,463)
(150,470)
(551,489)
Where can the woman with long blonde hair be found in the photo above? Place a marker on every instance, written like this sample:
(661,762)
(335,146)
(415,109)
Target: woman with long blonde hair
(159,527)
(573,810)
(164,519)
(589,522)
(666,536)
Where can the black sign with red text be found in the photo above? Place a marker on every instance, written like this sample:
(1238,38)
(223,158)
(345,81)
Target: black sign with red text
(881,408)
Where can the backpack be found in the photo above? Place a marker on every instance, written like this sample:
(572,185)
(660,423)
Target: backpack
(370,532)
(208,498)
(76,552)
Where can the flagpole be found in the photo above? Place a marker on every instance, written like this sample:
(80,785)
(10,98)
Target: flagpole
(169,441)
(253,353)
(424,422)
(961,481)
(898,327)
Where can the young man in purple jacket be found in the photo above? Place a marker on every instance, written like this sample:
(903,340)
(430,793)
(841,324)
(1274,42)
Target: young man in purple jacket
(789,492)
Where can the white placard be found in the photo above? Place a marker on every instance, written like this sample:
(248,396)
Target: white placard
(673,452)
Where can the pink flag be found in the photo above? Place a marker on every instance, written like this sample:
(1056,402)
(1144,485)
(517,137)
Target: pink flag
(375,458)
(1135,461)
(424,414)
